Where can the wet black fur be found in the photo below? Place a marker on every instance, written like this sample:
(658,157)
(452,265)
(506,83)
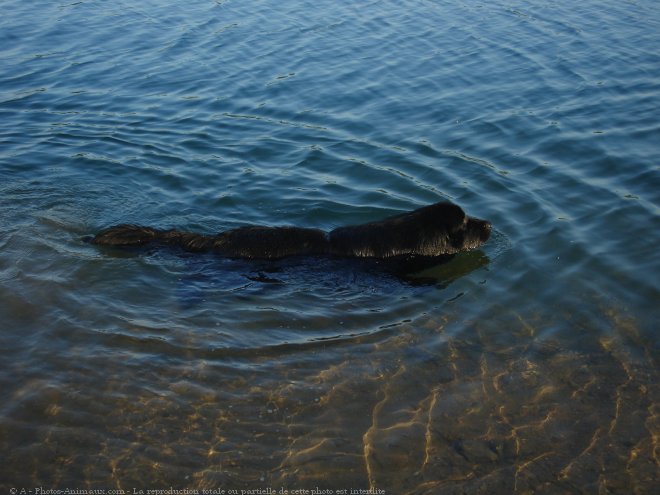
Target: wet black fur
(437,230)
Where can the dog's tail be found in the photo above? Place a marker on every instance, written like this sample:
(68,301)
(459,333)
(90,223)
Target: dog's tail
(128,235)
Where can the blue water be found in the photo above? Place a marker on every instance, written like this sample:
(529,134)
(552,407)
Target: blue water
(528,365)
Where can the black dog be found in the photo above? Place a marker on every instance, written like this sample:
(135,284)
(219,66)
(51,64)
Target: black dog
(432,231)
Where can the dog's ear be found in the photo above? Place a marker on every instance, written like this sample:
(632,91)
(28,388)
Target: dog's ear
(457,215)
(448,214)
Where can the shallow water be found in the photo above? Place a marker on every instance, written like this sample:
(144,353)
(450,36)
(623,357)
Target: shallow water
(527,366)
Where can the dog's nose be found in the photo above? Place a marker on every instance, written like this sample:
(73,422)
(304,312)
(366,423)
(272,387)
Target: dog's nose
(485,232)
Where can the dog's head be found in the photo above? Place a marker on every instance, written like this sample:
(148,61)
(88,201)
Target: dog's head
(434,230)
(470,234)
(448,230)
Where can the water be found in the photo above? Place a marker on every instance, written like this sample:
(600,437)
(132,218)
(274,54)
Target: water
(529,365)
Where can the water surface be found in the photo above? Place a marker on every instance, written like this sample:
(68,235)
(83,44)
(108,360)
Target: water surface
(528,365)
